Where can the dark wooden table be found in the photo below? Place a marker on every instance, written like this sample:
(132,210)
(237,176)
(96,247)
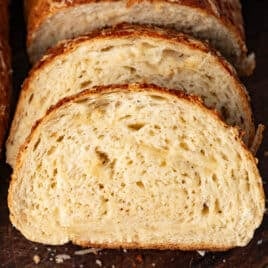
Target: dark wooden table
(16,251)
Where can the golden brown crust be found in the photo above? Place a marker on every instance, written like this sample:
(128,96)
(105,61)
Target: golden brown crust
(140,88)
(5,79)
(131,31)
(197,246)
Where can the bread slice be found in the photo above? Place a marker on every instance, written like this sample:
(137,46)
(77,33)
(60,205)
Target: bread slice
(136,167)
(130,54)
(220,22)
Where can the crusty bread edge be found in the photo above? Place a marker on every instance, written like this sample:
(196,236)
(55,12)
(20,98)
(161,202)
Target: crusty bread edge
(168,246)
(136,88)
(136,31)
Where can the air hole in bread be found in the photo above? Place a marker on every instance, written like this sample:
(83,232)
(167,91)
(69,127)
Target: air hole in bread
(136,126)
(151,133)
(224,156)
(159,98)
(248,187)
(85,84)
(100,137)
(205,209)
(214,177)
(106,48)
(171,53)
(146,45)
(132,70)
(125,117)
(209,77)
(55,172)
(31,98)
(36,144)
(59,139)
(217,206)
(143,172)
(130,162)
(53,185)
(140,184)
(103,157)
(51,150)
(184,146)
(163,163)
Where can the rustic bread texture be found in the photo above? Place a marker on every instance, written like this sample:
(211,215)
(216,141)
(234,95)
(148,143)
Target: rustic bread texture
(5,79)
(220,22)
(135,166)
(130,54)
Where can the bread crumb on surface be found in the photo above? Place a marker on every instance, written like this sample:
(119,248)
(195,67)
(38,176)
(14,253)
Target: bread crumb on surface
(153,264)
(201,252)
(224,260)
(124,250)
(99,263)
(259,242)
(265,153)
(36,259)
(113,266)
(60,258)
(87,251)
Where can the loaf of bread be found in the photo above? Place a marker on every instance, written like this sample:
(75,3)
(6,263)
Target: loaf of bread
(5,78)
(130,54)
(220,22)
(135,166)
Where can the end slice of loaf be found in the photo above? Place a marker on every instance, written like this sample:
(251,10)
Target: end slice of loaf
(135,167)
(220,22)
(130,54)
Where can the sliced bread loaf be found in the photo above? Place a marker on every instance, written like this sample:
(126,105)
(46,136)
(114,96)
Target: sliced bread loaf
(128,54)
(135,167)
(220,22)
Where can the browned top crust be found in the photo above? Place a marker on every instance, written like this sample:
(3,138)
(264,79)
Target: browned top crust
(227,12)
(5,80)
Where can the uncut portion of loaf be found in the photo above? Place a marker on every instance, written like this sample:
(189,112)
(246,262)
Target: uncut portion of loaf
(218,21)
(5,79)
(135,166)
(128,54)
